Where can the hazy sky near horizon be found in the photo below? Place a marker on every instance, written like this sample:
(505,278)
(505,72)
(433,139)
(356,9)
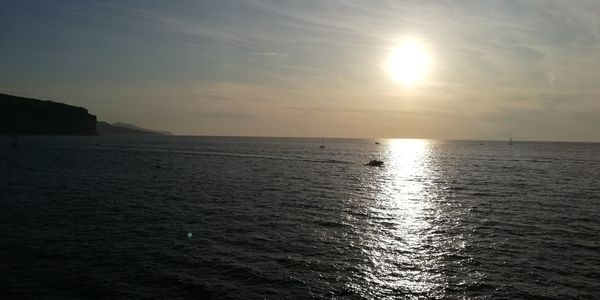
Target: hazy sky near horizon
(526,69)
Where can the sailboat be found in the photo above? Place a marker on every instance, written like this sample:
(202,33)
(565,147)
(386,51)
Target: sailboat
(322,143)
(510,142)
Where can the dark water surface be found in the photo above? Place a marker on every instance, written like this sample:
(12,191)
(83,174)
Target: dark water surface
(91,217)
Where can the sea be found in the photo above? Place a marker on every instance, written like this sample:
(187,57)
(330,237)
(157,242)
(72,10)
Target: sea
(183,217)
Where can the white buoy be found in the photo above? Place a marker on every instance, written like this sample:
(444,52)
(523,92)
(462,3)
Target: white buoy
(189,235)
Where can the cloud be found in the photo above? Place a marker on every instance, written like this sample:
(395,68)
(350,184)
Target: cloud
(256,64)
(225,115)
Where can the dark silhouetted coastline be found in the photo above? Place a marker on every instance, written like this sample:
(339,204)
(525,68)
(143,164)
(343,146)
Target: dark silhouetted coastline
(28,116)
(105,128)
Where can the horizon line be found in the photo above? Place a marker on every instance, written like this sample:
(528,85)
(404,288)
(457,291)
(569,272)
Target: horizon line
(383,138)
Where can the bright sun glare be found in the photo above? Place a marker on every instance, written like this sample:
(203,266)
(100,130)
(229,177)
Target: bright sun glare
(408,63)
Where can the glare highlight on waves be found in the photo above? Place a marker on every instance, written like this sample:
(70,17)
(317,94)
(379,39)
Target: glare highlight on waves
(401,252)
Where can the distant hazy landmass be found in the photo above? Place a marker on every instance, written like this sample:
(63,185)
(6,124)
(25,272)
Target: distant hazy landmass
(21,116)
(124,128)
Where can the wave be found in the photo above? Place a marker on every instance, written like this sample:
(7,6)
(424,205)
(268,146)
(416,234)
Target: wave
(226,154)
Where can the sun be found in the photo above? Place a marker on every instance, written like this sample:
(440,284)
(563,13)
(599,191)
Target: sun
(408,63)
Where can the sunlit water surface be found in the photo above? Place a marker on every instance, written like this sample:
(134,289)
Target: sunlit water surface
(254,218)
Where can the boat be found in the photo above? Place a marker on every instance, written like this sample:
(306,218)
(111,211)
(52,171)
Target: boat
(14,143)
(322,143)
(510,142)
(157,165)
(377,143)
(375,163)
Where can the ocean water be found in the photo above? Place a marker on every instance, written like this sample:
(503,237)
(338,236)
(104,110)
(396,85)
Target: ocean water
(171,217)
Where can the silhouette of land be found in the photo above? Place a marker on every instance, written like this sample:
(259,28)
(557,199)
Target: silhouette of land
(124,128)
(27,116)
(22,116)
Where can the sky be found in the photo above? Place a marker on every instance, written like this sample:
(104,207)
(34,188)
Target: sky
(529,70)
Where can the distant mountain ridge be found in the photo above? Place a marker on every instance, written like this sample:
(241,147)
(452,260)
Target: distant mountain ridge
(124,128)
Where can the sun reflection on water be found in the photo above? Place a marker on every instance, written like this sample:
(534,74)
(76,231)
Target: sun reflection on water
(397,243)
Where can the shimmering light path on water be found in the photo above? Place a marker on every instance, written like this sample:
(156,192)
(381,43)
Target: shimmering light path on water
(239,218)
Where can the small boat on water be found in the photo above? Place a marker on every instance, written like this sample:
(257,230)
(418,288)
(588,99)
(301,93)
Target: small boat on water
(157,165)
(14,143)
(377,143)
(375,163)
(510,142)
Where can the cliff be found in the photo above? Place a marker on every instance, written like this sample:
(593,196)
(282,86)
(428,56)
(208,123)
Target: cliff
(21,116)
